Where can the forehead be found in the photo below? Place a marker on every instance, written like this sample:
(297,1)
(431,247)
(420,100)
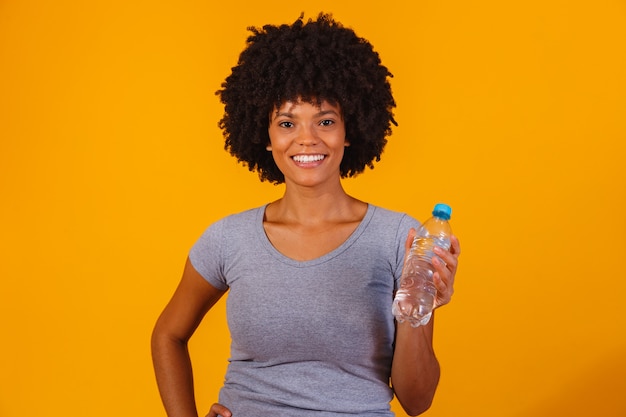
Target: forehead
(293,106)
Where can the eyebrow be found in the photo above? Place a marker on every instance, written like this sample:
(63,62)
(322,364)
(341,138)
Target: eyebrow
(318,114)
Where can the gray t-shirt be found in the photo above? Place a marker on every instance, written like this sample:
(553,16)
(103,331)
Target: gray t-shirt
(311,338)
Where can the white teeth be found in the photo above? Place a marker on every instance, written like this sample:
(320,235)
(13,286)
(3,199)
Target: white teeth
(308,158)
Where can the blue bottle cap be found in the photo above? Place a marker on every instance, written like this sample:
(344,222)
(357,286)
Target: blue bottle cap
(443,211)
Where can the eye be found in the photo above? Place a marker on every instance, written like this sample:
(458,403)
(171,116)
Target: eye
(285,124)
(327,122)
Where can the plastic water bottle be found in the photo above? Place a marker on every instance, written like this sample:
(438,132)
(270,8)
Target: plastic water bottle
(415,299)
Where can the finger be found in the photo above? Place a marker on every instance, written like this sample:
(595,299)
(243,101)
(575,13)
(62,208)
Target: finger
(441,268)
(439,282)
(455,245)
(409,239)
(219,410)
(444,291)
(443,278)
(447,257)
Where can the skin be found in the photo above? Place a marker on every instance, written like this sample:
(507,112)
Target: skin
(314,216)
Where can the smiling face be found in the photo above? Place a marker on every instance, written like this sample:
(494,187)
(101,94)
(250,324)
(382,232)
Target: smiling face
(307,141)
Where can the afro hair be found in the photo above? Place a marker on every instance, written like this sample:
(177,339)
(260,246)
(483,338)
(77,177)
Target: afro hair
(313,61)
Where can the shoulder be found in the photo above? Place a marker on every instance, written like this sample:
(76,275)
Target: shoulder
(241,219)
(210,255)
(231,227)
(387,228)
(384,217)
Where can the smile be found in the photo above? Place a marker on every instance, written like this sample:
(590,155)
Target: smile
(308,158)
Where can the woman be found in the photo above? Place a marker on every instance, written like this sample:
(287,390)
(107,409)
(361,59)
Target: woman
(310,276)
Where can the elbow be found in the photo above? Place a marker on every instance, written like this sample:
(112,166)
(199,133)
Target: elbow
(418,407)
(157,337)
(163,339)
(419,399)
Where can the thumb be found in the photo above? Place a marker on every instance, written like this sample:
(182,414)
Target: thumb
(409,239)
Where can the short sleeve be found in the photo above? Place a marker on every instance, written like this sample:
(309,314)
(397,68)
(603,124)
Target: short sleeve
(206,255)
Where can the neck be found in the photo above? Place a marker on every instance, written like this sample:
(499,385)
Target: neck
(310,206)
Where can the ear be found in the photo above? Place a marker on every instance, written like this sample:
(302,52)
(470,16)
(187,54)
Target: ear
(268,148)
(346,143)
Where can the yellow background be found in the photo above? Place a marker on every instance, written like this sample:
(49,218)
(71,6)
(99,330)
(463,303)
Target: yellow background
(111,165)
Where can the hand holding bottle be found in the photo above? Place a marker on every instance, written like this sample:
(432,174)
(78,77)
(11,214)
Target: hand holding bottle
(429,268)
(444,271)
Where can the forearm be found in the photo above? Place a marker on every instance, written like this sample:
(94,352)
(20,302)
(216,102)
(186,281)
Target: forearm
(415,370)
(174,376)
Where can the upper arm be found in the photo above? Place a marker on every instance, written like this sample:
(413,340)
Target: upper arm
(193,297)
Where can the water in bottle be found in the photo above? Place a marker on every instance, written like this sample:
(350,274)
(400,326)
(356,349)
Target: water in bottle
(415,299)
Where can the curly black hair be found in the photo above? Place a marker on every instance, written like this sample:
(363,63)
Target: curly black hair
(313,61)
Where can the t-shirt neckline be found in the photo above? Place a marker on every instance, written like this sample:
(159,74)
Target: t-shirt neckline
(321,259)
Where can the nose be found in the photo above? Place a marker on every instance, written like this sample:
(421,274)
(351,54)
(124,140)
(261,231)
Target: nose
(307,136)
